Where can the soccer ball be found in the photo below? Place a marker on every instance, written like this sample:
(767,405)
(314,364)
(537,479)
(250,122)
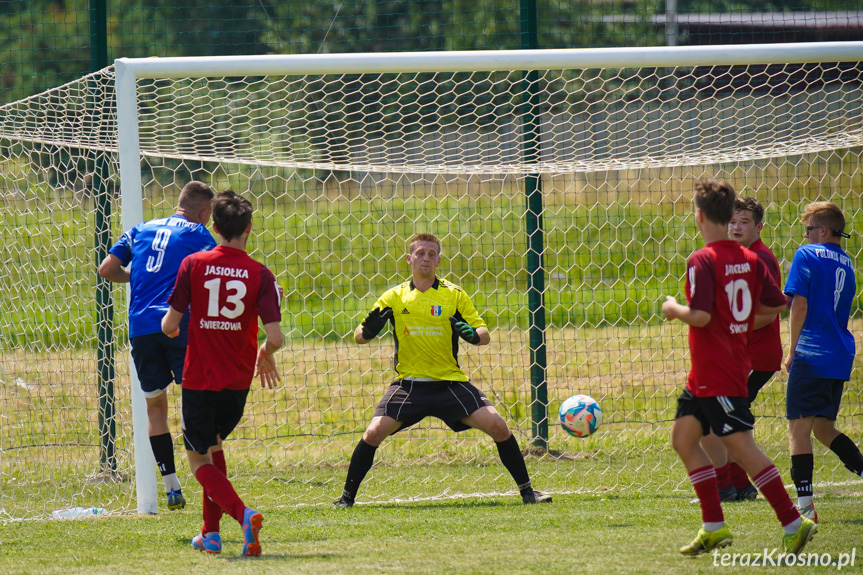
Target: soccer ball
(580,415)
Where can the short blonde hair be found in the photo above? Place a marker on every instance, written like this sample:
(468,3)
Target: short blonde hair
(195,195)
(825,214)
(423,238)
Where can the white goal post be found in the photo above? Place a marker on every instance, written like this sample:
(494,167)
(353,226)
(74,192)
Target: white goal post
(559,182)
(130,71)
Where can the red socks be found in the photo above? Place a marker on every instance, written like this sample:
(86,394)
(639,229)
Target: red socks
(769,483)
(220,490)
(210,509)
(723,476)
(704,482)
(738,476)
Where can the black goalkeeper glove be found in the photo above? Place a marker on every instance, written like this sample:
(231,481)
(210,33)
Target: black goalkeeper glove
(464,331)
(375,322)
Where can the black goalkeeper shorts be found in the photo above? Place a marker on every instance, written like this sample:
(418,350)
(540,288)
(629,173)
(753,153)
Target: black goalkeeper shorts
(410,402)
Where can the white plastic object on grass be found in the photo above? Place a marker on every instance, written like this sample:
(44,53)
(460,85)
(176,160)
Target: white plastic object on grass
(76,512)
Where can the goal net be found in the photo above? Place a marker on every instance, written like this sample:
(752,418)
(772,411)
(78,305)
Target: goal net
(559,183)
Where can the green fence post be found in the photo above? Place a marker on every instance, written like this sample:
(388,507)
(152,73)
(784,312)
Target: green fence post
(104,302)
(531,144)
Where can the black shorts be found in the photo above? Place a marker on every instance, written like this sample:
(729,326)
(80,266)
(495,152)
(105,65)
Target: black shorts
(409,402)
(158,361)
(721,415)
(210,415)
(809,395)
(757,380)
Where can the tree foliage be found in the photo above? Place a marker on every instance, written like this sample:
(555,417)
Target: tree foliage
(47,42)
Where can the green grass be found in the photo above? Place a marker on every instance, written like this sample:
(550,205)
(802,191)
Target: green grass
(297,439)
(597,533)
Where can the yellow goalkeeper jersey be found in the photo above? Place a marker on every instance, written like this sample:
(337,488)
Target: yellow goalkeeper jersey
(426,345)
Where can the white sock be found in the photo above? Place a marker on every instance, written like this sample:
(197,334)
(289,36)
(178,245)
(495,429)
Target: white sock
(804,501)
(713,525)
(171,482)
(792,527)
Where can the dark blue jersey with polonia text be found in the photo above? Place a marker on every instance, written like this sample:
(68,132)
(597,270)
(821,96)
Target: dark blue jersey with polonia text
(155,250)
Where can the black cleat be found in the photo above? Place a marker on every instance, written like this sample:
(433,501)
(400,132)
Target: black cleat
(748,493)
(534,496)
(343,503)
(728,493)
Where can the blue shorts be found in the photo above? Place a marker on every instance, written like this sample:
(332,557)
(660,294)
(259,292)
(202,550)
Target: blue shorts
(809,395)
(158,360)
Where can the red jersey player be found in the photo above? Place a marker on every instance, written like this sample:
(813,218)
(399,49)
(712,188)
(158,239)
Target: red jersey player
(227,292)
(765,348)
(725,285)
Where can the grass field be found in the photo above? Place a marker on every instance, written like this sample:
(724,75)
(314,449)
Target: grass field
(297,439)
(597,533)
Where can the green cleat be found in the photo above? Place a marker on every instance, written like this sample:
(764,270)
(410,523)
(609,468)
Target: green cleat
(707,541)
(794,543)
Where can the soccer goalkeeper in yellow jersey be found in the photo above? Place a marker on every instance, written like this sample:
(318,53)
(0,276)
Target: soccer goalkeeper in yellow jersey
(429,315)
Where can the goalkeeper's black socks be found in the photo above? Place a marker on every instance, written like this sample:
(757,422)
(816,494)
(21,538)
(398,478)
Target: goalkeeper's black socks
(802,468)
(848,453)
(163,451)
(513,460)
(361,462)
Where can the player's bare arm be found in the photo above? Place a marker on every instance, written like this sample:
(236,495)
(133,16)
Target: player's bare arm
(112,270)
(693,317)
(762,320)
(171,322)
(265,364)
(484,336)
(358,335)
(772,311)
(796,319)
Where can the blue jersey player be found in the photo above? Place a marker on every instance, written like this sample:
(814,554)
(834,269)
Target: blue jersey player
(822,285)
(149,256)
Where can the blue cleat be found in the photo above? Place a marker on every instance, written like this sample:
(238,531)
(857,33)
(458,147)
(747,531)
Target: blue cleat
(209,542)
(176,500)
(252,522)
